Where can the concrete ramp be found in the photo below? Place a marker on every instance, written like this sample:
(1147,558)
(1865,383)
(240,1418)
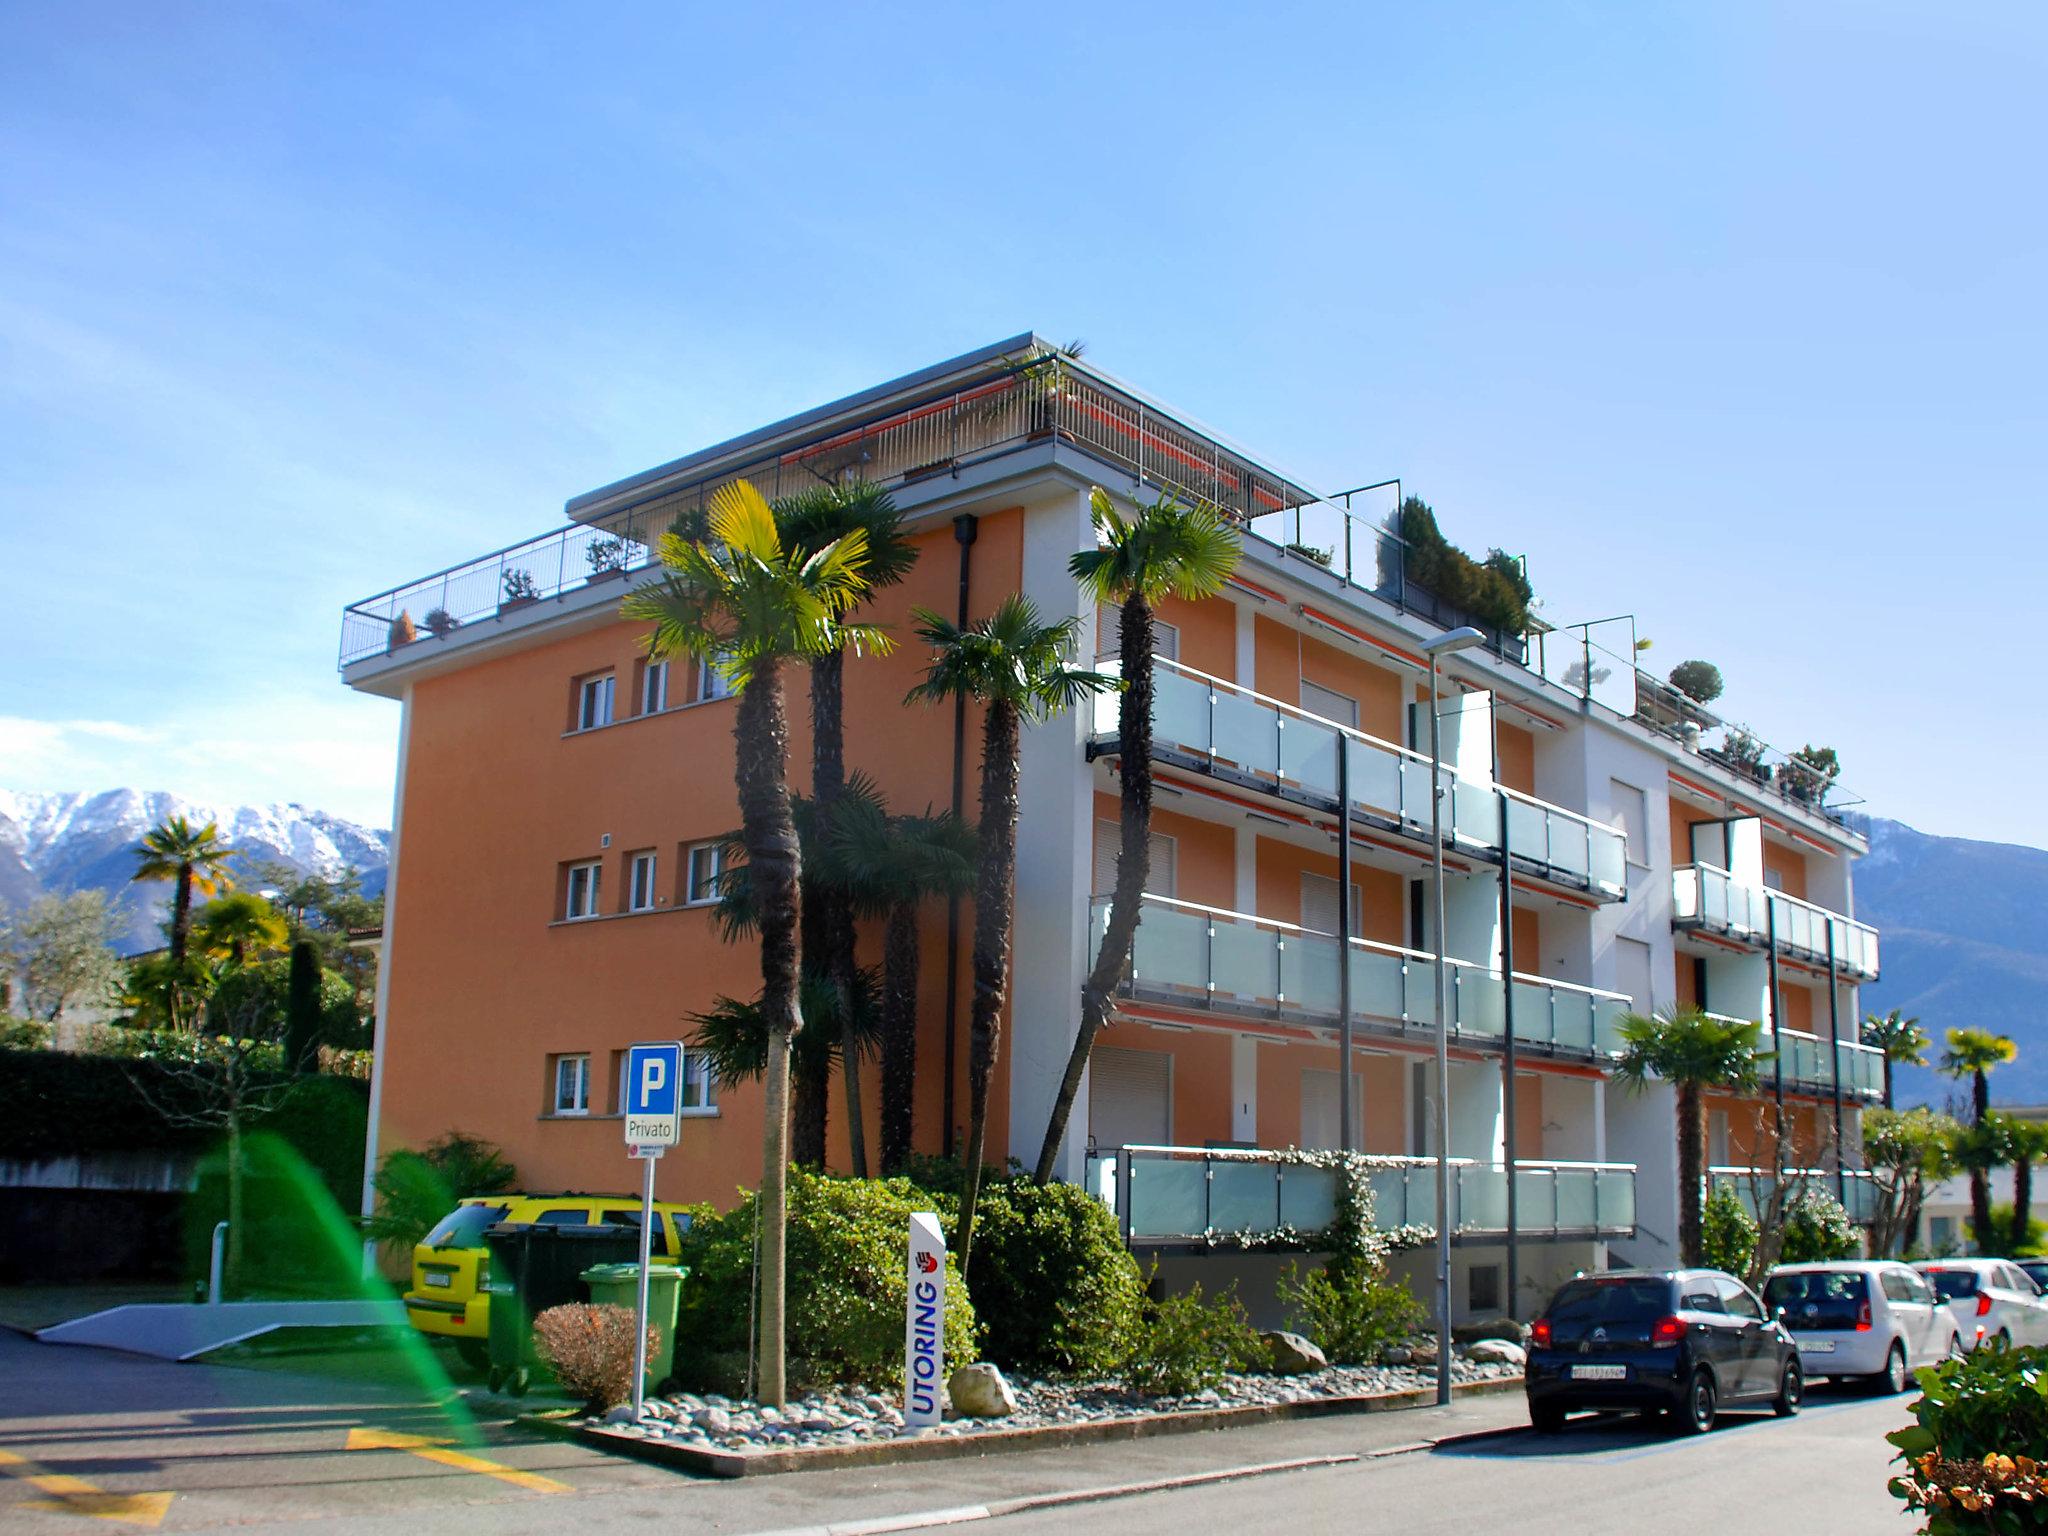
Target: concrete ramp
(175,1331)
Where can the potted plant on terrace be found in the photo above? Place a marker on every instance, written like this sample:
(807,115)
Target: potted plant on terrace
(440,621)
(520,589)
(1807,774)
(607,558)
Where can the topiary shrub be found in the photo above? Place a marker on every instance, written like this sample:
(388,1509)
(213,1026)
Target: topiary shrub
(590,1350)
(846,1286)
(1184,1344)
(1728,1233)
(1052,1281)
(1351,1311)
(1973,1456)
(1699,681)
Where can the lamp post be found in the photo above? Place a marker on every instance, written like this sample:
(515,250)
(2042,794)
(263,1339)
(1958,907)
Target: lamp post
(1442,645)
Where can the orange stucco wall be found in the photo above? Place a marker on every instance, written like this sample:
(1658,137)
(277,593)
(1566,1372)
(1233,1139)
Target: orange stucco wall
(1789,867)
(1281,866)
(1285,658)
(1516,749)
(1208,634)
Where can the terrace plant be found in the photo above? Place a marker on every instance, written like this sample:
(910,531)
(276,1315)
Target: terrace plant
(519,586)
(1495,590)
(439,621)
(1699,681)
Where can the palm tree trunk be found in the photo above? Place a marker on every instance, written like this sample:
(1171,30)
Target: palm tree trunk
(2022,1202)
(1692,1160)
(899,1036)
(810,1096)
(1133,869)
(828,779)
(1980,1211)
(994,900)
(181,912)
(1887,1079)
(761,739)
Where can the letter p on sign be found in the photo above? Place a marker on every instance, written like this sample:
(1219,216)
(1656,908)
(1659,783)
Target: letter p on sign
(653,1107)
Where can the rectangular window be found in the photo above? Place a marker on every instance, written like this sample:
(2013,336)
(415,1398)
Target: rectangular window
(572,1085)
(1482,1288)
(1159,881)
(705,863)
(654,688)
(1109,631)
(584,880)
(1319,906)
(1630,816)
(700,1088)
(711,683)
(1330,704)
(640,883)
(594,703)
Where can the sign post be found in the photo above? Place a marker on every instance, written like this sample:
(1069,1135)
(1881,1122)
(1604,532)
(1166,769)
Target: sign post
(652,1112)
(924,1323)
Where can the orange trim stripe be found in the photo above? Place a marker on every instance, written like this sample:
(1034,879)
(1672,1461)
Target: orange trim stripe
(1362,637)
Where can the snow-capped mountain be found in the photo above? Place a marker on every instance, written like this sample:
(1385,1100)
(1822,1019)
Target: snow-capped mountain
(53,844)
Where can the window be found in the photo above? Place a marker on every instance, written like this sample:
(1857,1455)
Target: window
(1330,704)
(572,1085)
(1739,1301)
(616,1216)
(706,862)
(559,1217)
(640,883)
(711,683)
(1895,1285)
(594,703)
(1631,817)
(584,880)
(1482,1288)
(1319,906)
(1159,880)
(1632,972)
(1109,633)
(1703,1296)
(654,688)
(700,1088)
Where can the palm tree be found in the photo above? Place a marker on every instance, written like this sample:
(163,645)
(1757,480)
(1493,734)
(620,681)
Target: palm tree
(1693,1051)
(1019,668)
(901,861)
(195,857)
(2026,1144)
(230,926)
(1975,1054)
(733,1033)
(813,520)
(1902,1040)
(1140,559)
(747,605)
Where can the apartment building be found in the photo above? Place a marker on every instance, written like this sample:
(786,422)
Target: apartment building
(1608,845)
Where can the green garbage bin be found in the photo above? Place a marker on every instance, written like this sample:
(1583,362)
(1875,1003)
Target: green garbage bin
(534,1267)
(618,1285)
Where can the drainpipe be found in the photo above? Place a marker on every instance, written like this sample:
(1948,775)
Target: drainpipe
(1507,988)
(964,528)
(1835,1064)
(1347,1133)
(1777,1038)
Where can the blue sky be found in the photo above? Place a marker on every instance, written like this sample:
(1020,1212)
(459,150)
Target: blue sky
(1728,315)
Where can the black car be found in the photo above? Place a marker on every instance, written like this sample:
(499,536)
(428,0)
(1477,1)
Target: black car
(1688,1342)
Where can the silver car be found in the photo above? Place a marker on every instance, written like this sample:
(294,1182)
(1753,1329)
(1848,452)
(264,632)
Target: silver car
(1871,1320)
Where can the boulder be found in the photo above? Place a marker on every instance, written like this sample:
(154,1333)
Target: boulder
(1291,1355)
(979,1392)
(1499,1350)
(713,1421)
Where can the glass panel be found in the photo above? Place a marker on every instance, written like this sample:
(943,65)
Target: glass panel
(1319,533)
(1308,1198)
(1243,1196)
(1610,859)
(1534,1020)
(1171,949)
(1574,1014)
(1379,985)
(1247,733)
(1414,803)
(1166,1197)
(1528,832)
(1615,1196)
(1376,781)
(1308,754)
(1575,1198)
(1308,974)
(1180,710)
(1481,1198)
(1607,1016)
(1474,810)
(1399,1198)
(1569,850)
(1247,961)
(1476,1002)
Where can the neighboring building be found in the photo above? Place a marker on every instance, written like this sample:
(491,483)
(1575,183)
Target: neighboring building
(560,802)
(1945,1217)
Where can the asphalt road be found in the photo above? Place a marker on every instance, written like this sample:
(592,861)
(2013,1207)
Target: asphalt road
(91,1435)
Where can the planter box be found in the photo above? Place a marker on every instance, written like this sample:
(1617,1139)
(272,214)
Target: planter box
(516,602)
(612,573)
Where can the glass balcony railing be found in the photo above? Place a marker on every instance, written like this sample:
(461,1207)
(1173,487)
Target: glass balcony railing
(1261,743)
(1804,1059)
(1229,962)
(1754,1187)
(1190,1194)
(1704,896)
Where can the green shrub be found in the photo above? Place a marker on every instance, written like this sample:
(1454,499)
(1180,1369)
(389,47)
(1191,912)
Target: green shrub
(1184,1344)
(1981,1425)
(1817,1228)
(22,1034)
(846,1286)
(1495,591)
(2001,1223)
(1699,681)
(1728,1232)
(416,1189)
(1052,1281)
(1352,1312)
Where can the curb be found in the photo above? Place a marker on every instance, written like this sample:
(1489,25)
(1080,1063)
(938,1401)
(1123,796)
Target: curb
(730,1464)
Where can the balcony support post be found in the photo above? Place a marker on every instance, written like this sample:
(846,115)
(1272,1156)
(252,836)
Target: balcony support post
(1347,1133)
(1835,1064)
(1777,1037)
(1507,1069)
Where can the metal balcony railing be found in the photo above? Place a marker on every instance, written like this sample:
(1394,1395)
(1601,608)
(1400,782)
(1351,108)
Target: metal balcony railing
(1804,1058)
(1706,897)
(1191,956)
(1164,1195)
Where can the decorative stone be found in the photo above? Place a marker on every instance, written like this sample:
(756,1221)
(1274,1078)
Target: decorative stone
(713,1421)
(1498,1350)
(1292,1355)
(623,1414)
(979,1392)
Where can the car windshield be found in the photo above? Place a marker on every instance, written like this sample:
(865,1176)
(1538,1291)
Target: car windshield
(1611,1301)
(1950,1283)
(1819,1299)
(464,1226)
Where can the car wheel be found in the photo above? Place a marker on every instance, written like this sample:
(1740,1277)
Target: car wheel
(1892,1379)
(2005,1338)
(1696,1410)
(1546,1418)
(1792,1390)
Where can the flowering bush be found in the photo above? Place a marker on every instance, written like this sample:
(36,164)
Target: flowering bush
(590,1350)
(1817,1228)
(1965,1467)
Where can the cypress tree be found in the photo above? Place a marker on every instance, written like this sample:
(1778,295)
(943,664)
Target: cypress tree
(302,1010)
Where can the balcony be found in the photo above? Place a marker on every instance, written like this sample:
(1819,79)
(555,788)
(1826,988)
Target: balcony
(1167,1196)
(1240,966)
(1804,1060)
(1710,900)
(1208,726)
(1753,1186)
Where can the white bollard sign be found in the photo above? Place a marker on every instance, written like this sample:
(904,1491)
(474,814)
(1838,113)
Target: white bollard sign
(924,1325)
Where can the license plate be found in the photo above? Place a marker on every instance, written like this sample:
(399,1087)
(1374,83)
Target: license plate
(434,1278)
(1599,1373)
(1816,1346)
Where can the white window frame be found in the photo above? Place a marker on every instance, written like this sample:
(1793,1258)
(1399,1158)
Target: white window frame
(715,853)
(595,699)
(593,892)
(654,688)
(712,684)
(700,1082)
(578,1104)
(640,894)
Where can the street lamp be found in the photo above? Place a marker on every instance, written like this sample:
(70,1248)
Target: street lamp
(1443,645)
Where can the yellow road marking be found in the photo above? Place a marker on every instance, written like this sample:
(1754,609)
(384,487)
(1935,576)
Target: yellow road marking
(75,1496)
(436,1450)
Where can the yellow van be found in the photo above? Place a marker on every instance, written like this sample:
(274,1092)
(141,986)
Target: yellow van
(451,1268)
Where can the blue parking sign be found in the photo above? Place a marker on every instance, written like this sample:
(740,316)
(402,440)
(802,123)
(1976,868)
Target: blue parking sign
(653,1093)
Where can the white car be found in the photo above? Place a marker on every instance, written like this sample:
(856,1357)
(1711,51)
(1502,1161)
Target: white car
(1989,1299)
(1868,1319)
